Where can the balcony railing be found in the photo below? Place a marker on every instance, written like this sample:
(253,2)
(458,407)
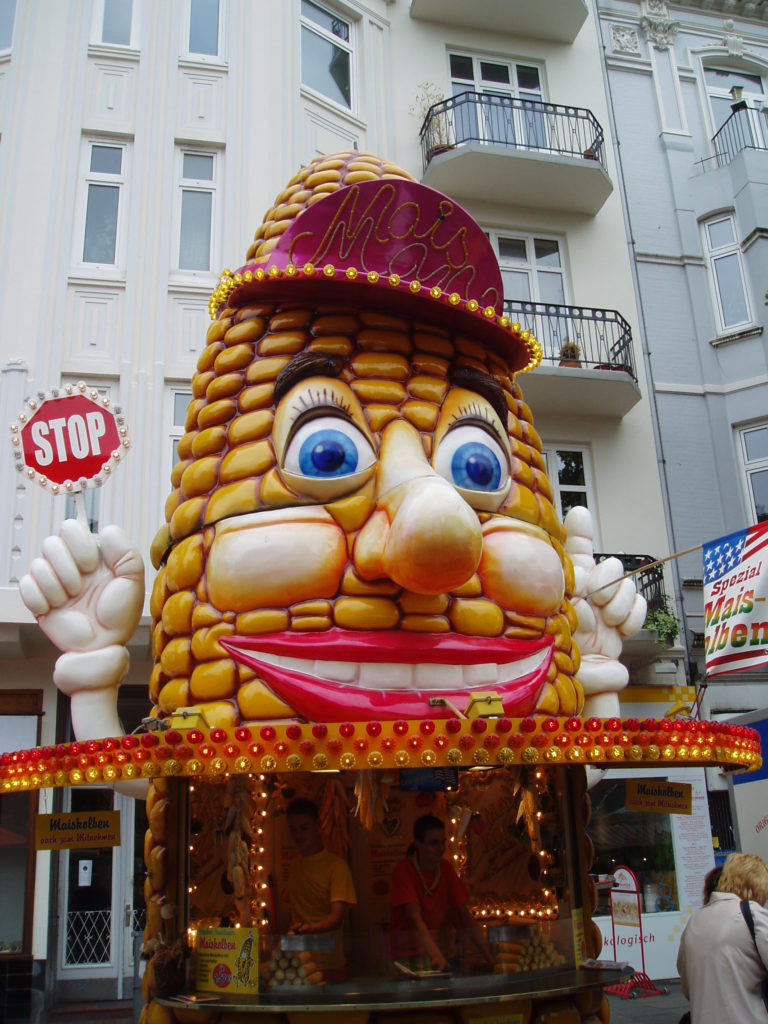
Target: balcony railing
(649,583)
(746,128)
(603,336)
(525,124)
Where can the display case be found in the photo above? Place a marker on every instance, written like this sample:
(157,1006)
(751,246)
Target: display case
(512,836)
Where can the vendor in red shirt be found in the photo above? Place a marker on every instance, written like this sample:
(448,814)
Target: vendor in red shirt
(425,892)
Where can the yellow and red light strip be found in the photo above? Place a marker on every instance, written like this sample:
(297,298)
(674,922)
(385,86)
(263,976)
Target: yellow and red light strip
(347,746)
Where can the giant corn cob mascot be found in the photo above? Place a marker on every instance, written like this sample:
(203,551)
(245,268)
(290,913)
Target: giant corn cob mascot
(361,523)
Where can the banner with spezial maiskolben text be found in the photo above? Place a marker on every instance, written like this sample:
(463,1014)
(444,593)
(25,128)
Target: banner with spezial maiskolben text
(735,593)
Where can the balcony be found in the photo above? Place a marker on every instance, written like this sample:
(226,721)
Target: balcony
(644,647)
(746,128)
(559,24)
(479,146)
(649,582)
(598,377)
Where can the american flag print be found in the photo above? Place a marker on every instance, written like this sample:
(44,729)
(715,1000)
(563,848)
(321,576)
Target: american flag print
(735,601)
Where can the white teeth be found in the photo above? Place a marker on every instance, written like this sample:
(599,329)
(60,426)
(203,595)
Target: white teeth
(340,671)
(480,674)
(385,675)
(401,676)
(297,664)
(435,677)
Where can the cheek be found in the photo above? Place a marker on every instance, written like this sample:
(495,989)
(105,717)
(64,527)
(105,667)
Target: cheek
(275,566)
(521,573)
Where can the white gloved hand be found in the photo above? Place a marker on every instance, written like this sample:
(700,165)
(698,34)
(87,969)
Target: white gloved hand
(87,593)
(607,614)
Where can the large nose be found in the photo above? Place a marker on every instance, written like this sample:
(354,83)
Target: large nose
(431,539)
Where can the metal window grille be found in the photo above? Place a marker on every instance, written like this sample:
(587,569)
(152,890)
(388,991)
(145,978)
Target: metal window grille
(89,937)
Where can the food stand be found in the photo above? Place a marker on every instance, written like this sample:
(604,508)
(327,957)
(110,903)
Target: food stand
(364,597)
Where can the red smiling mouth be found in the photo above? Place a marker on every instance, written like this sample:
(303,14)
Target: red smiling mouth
(339,675)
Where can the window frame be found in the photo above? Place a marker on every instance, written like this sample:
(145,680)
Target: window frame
(28,704)
(531,268)
(753,100)
(97,27)
(212,188)
(550,451)
(14,11)
(748,467)
(351,47)
(172,434)
(193,55)
(711,256)
(87,177)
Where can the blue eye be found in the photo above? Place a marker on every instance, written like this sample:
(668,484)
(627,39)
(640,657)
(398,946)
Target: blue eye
(475,467)
(328,448)
(473,460)
(328,453)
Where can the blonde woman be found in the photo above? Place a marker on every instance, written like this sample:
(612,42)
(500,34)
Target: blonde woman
(721,967)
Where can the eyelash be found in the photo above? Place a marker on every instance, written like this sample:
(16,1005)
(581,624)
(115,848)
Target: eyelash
(321,399)
(474,411)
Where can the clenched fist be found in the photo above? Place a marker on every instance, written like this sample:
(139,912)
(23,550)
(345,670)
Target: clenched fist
(87,592)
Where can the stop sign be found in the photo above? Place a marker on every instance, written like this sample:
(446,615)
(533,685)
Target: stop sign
(69,439)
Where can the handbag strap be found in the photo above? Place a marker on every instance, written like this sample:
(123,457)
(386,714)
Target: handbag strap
(746,913)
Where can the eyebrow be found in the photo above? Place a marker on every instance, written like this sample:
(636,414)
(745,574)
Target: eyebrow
(474,380)
(306,364)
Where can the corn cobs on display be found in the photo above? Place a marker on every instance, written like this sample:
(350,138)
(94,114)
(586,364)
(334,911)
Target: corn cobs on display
(535,953)
(285,969)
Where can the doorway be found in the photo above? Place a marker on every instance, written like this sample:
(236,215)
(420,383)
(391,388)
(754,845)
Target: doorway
(101,903)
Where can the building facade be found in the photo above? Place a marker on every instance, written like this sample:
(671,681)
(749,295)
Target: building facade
(688,88)
(140,143)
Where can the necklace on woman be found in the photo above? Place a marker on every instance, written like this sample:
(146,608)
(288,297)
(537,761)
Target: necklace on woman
(428,889)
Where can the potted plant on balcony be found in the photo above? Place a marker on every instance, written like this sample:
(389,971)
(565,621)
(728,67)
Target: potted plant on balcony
(427,94)
(663,623)
(570,354)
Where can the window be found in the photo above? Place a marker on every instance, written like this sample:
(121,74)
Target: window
(116,22)
(7,14)
(531,267)
(726,273)
(753,448)
(326,53)
(204,27)
(179,403)
(495,118)
(20,712)
(569,473)
(724,87)
(198,172)
(532,272)
(104,180)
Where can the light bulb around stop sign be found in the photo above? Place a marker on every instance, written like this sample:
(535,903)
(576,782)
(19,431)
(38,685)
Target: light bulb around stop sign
(69,439)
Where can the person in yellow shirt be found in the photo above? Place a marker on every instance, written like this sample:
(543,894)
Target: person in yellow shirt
(320,887)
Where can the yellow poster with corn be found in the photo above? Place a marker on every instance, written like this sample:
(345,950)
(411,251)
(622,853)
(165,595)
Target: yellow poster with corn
(227,961)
